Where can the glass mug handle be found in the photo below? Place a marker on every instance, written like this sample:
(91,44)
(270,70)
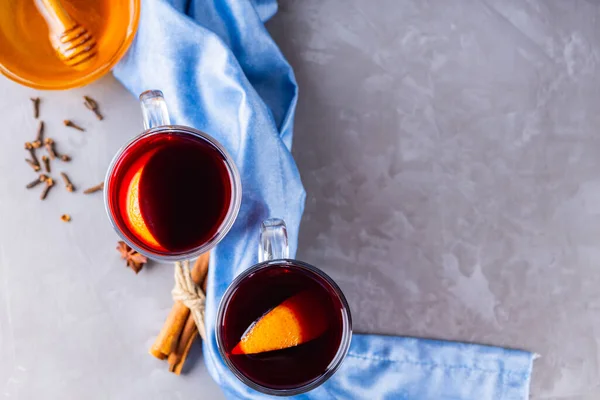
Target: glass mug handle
(273,243)
(154,109)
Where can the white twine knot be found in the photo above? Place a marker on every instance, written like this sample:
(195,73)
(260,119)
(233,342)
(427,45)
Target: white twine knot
(186,291)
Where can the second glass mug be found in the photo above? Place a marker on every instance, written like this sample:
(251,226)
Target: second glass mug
(283,326)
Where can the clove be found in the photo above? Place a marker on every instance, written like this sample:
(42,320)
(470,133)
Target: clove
(36,106)
(67,181)
(34,183)
(46,162)
(36,167)
(40,179)
(51,149)
(49,143)
(94,189)
(73,125)
(91,104)
(31,150)
(49,184)
(37,143)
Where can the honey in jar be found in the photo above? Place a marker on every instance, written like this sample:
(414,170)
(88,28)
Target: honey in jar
(27,55)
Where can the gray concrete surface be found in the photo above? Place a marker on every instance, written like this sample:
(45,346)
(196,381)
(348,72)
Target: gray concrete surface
(451,155)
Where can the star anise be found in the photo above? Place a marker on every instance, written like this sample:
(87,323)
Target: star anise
(135,260)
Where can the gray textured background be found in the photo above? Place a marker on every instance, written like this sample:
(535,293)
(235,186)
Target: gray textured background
(451,157)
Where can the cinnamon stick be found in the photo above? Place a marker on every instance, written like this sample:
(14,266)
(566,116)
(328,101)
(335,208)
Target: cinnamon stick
(168,339)
(200,268)
(188,335)
(190,330)
(205,284)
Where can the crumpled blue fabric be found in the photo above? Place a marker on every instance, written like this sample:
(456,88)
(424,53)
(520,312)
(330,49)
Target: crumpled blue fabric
(221,73)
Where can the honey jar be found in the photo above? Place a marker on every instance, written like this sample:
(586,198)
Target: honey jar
(28,55)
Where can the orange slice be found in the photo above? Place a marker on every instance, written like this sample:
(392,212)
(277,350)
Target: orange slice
(295,321)
(135,221)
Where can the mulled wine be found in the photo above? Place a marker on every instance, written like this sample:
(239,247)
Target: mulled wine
(169,192)
(283,325)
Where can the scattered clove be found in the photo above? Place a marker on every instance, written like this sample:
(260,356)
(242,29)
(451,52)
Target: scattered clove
(94,189)
(34,183)
(37,143)
(51,148)
(40,179)
(65,218)
(36,106)
(135,260)
(34,157)
(73,125)
(67,181)
(49,184)
(36,167)
(49,143)
(91,104)
(46,162)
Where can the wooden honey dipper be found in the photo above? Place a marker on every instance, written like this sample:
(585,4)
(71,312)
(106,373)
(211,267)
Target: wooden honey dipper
(74,45)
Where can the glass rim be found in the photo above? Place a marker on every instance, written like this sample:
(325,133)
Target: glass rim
(230,217)
(335,362)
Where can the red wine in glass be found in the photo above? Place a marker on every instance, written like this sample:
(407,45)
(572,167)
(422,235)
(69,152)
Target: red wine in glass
(182,188)
(262,289)
(172,192)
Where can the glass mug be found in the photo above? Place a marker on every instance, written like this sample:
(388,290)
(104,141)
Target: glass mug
(173,192)
(283,326)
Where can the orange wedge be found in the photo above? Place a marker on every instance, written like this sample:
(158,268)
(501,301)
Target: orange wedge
(135,221)
(295,321)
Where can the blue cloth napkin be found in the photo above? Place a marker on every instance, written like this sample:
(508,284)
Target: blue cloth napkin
(221,72)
